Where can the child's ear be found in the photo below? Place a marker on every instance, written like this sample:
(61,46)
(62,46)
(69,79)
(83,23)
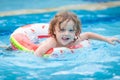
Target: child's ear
(77,33)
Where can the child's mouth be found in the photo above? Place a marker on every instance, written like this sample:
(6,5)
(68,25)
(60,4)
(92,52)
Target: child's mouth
(65,38)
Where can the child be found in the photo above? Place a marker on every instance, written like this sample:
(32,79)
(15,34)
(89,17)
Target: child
(65,31)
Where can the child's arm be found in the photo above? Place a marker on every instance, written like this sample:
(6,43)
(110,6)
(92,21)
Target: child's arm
(45,46)
(90,35)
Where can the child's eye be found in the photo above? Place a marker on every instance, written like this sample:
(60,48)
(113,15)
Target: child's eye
(71,30)
(62,30)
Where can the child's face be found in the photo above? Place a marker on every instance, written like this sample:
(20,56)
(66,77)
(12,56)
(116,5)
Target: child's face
(66,34)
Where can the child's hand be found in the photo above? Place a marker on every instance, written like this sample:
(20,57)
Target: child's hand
(112,40)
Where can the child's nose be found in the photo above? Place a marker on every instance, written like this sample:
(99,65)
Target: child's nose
(66,32)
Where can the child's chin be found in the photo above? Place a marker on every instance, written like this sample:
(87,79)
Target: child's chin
(64,44)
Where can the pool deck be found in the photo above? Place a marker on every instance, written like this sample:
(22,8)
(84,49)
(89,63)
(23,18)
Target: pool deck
(91,7)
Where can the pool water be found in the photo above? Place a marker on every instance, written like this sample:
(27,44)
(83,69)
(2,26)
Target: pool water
(100,61)
(6,5)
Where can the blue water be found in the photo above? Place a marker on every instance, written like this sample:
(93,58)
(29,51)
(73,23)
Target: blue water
(7,5)
(100,61)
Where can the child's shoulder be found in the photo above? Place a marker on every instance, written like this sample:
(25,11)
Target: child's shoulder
(51,40)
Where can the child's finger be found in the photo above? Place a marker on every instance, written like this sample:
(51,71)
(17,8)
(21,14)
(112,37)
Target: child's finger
(118,41)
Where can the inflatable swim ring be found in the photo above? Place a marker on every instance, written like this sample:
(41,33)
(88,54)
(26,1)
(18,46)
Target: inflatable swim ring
(25,38)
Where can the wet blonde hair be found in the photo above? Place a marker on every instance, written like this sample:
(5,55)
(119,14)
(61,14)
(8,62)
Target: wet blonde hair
(60,18)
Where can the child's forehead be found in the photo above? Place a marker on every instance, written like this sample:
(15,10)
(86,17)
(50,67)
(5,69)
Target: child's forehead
(67,23)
